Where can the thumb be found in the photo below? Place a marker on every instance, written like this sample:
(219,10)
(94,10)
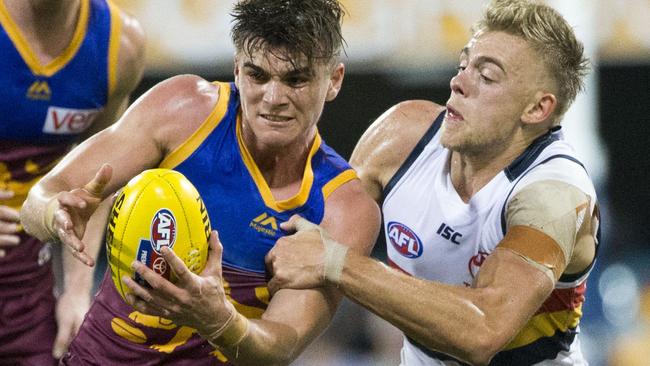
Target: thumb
(96,186)
(213,266)
(298,223)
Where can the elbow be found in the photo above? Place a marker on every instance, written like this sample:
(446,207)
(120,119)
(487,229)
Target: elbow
(485,345)
(27,218)
(31,218)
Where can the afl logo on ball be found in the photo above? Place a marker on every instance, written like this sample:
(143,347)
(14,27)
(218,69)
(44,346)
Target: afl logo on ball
(163,230)
(404,240)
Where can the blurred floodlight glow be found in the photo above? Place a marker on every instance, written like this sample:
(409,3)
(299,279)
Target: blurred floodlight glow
(619,290)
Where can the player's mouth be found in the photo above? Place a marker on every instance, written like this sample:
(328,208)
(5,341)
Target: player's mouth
(276,118)
(453,115)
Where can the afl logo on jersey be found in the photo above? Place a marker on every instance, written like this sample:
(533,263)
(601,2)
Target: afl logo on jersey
(163,230)
(404,240)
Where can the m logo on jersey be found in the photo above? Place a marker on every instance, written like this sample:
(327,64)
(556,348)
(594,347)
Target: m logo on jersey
(265,224)
(163,230)
(66,121)
(404,240)
(39,90)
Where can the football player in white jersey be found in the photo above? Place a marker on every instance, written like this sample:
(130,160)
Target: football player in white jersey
(491,220)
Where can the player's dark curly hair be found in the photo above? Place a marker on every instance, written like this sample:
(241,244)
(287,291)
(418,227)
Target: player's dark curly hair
(290,29)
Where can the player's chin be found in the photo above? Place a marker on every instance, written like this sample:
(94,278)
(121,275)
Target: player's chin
(448,140)
(278,137)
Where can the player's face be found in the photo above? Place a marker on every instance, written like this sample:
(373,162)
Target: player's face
(282,101)
(496,79)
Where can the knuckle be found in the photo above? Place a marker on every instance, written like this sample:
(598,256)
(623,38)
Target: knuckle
(154,284)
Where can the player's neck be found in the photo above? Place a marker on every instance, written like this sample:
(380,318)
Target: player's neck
(48,25)
(471,172)
(43,11)
(282,166)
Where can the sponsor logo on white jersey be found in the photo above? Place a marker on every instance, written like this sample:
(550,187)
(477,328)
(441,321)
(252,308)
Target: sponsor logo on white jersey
(66,121)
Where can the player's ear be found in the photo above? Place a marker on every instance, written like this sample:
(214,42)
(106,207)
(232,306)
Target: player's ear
(236,70)
(335,82)
(540,109)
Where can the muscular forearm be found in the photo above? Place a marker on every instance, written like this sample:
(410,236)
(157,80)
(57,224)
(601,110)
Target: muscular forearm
(267,343)
(444,318)
(292,320)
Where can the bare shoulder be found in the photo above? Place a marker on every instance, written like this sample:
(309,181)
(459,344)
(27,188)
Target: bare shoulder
(389,140)
(131,53)
(172,110)
(352,217)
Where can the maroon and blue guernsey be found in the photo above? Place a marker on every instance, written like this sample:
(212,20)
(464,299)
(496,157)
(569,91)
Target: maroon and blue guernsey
(44,108)
(246,215)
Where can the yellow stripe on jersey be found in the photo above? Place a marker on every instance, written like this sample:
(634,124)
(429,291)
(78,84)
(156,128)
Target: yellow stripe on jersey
(307,180)
(211,122)
(546,325)
(251,312)
(29,56)
(339,180)
(113,46)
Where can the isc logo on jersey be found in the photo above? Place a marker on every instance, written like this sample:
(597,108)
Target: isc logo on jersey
(157,208)
(404,240)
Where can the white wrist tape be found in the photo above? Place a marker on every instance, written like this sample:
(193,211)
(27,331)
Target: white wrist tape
(334,259)
(334,252)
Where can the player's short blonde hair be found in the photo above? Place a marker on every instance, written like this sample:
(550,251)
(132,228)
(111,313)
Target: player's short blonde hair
(549,34)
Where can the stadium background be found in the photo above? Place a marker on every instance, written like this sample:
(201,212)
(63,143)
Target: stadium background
(407,49)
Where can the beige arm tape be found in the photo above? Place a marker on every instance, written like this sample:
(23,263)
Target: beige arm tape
(48,218)
(335,253)
(543,220)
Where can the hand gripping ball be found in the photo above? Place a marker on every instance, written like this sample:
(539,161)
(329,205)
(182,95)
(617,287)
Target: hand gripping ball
(158,208)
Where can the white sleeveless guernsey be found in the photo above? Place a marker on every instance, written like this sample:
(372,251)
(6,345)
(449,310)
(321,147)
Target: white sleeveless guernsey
(432,234)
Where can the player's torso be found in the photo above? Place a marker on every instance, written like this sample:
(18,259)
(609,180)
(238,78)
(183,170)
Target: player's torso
(44,110)
(247,217)
(431,233)
(55,102)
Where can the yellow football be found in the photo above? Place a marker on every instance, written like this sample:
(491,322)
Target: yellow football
(157,208)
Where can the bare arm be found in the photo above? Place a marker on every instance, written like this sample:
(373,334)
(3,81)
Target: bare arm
(128,73)
(60,205)
(550,231)
(386,144)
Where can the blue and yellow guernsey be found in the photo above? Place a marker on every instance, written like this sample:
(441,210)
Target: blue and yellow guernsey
(43,110)
(247,217)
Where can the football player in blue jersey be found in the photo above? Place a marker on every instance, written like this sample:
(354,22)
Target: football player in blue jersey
(68,67)
(491,220)
(252,149)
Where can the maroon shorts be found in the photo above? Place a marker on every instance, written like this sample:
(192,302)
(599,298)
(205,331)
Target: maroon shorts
(28,328)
